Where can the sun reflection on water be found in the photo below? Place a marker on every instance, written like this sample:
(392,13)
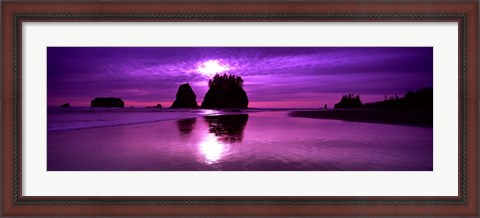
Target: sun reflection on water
(212,149)
(224,131)
(209,112)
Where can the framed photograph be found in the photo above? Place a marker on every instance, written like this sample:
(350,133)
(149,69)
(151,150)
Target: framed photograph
(224,108)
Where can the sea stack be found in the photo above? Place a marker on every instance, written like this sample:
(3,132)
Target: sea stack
(107,102)
(157,106)
(186,98)
(226,91)
(66,105)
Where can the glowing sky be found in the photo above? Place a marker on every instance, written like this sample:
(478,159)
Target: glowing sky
(274,76)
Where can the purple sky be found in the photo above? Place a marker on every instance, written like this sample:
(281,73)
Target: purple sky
(274,76)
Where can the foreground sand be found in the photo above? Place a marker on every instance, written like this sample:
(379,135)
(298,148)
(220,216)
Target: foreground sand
(264,141)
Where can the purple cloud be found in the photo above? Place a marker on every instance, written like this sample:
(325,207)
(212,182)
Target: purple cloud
(280,75)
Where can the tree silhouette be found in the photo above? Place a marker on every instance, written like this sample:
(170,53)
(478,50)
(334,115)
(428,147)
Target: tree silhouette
(420,99)
(349,100)
(225,79)
(225,91)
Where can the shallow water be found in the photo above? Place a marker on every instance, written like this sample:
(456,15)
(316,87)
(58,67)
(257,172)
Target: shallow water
(257,141)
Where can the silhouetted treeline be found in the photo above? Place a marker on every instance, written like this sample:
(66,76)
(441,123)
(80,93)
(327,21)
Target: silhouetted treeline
(349,101)
(413,109)
(420,99)
(228,80)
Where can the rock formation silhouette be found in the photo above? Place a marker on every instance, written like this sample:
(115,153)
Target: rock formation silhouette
(156,106)
(107,102)
(66,105)
(349,101)
(225,91)
(186,98)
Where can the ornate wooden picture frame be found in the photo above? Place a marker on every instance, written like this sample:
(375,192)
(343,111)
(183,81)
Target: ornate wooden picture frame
(15,13)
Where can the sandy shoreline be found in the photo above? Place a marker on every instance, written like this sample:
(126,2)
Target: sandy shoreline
(398,117)
(269,141)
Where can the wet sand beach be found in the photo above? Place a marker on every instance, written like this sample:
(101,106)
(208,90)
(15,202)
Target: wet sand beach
(262,141)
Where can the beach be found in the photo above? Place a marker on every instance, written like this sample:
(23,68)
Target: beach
(236,140)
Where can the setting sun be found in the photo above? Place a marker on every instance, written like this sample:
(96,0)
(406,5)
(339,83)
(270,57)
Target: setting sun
(211,67)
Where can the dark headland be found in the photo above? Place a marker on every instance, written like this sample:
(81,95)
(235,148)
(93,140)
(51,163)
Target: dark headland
(413,109)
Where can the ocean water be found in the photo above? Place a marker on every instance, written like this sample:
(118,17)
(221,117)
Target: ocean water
(85,139)
(59,119)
